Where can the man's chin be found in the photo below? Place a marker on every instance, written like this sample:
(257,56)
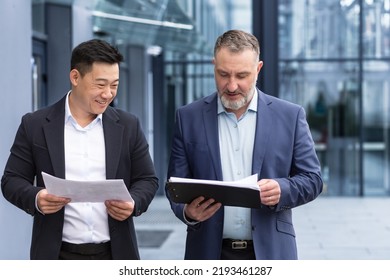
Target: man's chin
(232,105)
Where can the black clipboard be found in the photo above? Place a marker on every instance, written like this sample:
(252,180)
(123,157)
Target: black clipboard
(185,192)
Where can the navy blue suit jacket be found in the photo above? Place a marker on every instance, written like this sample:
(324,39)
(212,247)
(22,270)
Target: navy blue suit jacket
(39,146)
(283,150)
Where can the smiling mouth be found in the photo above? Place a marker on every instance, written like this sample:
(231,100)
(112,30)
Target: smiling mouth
(101,102)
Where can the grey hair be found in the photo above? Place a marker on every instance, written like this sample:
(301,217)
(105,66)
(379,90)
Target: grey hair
(237,41)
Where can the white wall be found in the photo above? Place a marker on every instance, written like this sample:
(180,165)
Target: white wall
(16,99)
(81,17)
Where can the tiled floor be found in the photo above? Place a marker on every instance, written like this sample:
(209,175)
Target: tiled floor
(326,229)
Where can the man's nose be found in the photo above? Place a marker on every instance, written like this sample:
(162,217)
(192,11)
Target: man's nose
(232,85)
(107,93)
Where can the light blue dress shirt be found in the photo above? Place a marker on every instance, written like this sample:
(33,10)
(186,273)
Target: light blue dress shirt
(236,141)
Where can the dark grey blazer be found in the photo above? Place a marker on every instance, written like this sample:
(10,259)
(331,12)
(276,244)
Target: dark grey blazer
(39,146)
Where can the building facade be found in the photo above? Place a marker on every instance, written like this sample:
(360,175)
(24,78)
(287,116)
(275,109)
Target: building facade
(330,56)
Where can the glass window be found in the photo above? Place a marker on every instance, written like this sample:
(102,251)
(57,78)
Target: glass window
(328,92)
(318,29)
(376,122)
(376,28)
(334,61)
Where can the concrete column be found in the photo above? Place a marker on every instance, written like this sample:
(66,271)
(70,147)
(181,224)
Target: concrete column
(140,88)
(67,26)
(16,100)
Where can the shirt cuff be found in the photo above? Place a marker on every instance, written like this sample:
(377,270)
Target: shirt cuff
(36,205)
(190,223)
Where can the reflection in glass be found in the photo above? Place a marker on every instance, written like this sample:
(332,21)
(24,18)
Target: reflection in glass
(318,29)
(328,92)
(376,122)
(334,61)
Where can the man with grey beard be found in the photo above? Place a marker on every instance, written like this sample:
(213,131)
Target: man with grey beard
(231,134)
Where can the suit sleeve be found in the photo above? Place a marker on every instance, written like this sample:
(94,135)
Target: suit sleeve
(19,173)
(304,183)
(143,181)
(178,164)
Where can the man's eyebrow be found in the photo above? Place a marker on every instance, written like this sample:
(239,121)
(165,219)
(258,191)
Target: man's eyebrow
(238,73)
(105,80)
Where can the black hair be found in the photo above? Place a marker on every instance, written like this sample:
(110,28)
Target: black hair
(95,50)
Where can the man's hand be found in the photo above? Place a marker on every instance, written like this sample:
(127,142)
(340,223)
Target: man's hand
(200,209)
(119,210)
(269,192)
(49,203)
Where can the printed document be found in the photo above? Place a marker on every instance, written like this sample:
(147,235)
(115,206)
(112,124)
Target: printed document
(87,191)
(249,182)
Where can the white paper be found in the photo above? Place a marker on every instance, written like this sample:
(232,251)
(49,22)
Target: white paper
(87,191)
(249,182)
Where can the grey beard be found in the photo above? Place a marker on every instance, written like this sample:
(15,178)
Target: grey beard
(233,105)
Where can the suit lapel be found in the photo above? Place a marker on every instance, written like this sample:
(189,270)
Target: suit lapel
(54,135)
(263,125)
(113,141)
(210,120)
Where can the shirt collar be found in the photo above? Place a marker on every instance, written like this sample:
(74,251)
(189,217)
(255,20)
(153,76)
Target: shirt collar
(68,113)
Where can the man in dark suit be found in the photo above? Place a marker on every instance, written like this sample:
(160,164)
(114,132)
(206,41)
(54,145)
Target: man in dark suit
(234,133)
(82,138)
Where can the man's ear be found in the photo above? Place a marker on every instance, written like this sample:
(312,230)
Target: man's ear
(259,66)
(74,76)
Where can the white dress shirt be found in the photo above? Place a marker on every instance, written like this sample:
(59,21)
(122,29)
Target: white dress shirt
(84,161)
(236,140)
